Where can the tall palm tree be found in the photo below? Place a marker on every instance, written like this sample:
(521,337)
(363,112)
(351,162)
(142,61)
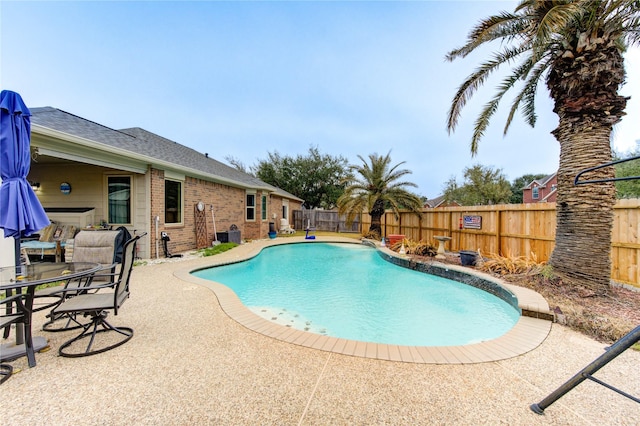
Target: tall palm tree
(376,189)
(576,47)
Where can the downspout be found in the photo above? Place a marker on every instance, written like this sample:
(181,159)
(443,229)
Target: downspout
(157,222)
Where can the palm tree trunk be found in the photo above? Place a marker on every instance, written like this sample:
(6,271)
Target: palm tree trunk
(585,212)
(584,85)
(376,214)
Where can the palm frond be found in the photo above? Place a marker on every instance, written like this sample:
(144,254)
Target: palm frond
(553,22)
(528,94)
(492,28)
(475,80)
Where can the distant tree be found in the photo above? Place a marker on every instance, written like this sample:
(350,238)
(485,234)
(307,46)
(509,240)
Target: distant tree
(316,178)
(374,187)
(481,186)
(519,183)
(628,188)
(239,165)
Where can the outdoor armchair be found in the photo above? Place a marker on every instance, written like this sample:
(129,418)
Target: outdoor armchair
(88,246)
(97,305)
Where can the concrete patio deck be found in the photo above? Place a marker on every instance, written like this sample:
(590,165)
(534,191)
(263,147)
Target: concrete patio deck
(189,363)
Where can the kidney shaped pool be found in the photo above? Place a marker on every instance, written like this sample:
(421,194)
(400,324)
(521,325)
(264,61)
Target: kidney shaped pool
(348,291)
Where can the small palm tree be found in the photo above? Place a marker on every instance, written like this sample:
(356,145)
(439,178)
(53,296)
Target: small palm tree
(576,47)
(376,189)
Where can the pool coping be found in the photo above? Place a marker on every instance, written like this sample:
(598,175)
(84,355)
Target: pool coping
(529,332)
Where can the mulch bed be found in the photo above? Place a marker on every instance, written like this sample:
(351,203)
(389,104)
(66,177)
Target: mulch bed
(603,317)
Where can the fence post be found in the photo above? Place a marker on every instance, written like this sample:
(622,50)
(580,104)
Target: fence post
(498,228)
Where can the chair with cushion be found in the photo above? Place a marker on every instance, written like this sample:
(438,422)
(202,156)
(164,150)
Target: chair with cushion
(52,241)
(97,305)
(88,246)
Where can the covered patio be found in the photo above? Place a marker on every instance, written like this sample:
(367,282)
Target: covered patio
(190,363)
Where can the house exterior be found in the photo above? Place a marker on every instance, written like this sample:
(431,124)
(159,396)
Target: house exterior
(439,201)
(88,173)
(541,190)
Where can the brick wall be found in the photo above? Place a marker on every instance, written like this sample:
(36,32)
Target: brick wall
(543,191)
(228,208)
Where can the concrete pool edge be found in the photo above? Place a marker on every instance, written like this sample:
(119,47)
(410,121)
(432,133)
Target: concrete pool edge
(528,333)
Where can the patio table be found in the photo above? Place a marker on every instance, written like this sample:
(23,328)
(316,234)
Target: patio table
(13,279)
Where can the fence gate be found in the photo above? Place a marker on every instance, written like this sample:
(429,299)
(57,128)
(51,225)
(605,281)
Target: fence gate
(324,220)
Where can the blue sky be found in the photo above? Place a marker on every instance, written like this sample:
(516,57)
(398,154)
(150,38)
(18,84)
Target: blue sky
(241,79)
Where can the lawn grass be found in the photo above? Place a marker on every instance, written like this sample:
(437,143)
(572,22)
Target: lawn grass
(218,248)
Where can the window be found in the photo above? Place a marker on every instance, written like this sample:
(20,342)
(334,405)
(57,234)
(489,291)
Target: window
(251,206)
(172,202)
(264,207)
(119,199)
(535,193)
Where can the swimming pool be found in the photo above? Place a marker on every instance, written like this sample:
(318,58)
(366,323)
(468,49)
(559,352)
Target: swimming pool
(349,291)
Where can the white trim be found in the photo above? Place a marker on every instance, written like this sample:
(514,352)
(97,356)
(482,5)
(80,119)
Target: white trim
(171,175)
(246,206)
(264,212)
(164,196)
(131,196)
(117,164)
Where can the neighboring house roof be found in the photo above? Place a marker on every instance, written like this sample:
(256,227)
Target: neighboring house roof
(437,202)
(541,182)
(137,143)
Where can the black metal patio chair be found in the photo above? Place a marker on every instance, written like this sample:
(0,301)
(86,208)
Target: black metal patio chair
(97,305)
(13,311)
(88,246)
(5,372)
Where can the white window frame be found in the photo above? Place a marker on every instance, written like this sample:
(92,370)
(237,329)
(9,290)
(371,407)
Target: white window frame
(250,207)
(131,197)
(264,205)
(181,222)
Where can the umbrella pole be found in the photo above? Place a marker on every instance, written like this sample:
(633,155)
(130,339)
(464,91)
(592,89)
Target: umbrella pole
(18,263)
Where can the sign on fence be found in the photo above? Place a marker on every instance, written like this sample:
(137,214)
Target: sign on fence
(472,222)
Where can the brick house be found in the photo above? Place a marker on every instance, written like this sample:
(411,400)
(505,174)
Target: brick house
(541,190)
(88,173)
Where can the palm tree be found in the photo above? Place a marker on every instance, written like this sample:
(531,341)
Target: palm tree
(576,47)
(376,189)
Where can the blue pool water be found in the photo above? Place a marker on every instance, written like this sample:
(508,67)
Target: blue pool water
(349,291)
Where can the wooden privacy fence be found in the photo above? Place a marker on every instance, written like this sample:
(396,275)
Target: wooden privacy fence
(324,220)
(516,230)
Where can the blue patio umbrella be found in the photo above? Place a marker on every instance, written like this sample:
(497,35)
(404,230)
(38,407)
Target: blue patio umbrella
(20,210)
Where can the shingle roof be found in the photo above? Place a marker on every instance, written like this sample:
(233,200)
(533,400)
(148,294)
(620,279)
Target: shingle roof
(138,142)
(541,182)
(434,202)
(160,148)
